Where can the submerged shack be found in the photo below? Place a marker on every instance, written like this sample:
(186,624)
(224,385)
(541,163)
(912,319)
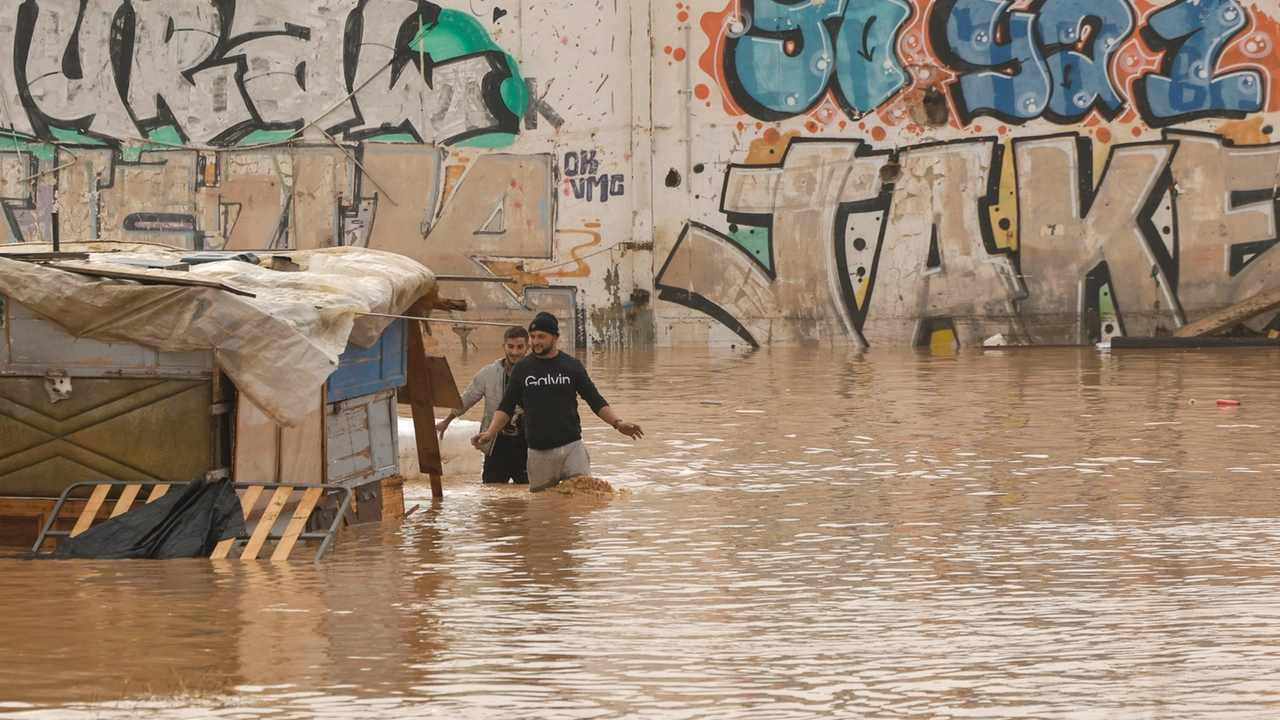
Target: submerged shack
(138,363)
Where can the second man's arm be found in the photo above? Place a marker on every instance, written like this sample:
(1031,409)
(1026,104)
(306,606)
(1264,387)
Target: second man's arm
(500,420)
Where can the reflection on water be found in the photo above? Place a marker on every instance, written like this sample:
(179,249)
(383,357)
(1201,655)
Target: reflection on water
(1023,532)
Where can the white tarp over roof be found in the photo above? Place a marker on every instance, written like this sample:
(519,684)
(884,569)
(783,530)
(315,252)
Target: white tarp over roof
(278,347)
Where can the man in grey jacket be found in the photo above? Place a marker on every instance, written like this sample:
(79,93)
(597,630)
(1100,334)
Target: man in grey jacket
(506,456)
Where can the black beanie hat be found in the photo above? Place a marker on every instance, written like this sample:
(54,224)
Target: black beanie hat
(546,322)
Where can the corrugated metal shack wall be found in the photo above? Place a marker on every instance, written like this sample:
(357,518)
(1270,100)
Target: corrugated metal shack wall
(131,414)
(822,173)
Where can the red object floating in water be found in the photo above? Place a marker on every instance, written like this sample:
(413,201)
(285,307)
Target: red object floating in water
(1228,402)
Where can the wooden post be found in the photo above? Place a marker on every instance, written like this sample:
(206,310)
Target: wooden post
(422,404)
(1234,315)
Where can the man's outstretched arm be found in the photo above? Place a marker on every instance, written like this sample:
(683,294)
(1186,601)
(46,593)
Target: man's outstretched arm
(500,420)
(631,430)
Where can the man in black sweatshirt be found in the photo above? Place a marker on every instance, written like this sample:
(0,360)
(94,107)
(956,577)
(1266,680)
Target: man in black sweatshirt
(547,384)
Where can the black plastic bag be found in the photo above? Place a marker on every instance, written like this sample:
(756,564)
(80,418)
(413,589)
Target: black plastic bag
(183,524)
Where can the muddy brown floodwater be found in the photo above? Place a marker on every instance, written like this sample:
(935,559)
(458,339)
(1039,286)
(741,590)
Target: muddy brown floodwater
(1018,533)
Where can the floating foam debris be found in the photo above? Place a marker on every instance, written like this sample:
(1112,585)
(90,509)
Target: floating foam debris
(586,486)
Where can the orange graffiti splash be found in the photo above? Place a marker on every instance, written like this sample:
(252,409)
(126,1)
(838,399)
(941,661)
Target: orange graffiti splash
(716,26)
(826,112)
(517,272)
(1133,59)
(926,71)
(452,174)
(768,150)
(1244,132)
(582,269)
(1257,47)
(523,277)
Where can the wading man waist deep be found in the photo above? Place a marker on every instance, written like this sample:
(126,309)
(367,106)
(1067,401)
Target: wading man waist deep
(506,457)
(547,385)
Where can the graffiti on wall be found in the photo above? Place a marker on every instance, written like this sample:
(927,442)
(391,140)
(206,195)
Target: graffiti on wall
(398,197)
(223,72)
(584,181)
(843,243)
(961,60)
(227,124)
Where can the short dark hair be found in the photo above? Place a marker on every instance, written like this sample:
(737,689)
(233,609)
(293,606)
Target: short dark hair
(515,332)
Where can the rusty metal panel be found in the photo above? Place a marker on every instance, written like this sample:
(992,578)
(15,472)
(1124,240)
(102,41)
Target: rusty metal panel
(36,345)
(363,442)
(108,429)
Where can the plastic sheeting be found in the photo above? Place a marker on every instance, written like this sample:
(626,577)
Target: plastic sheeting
(278,347)
(186,524)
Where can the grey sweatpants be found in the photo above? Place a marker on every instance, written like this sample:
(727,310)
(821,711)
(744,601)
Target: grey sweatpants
(548,467)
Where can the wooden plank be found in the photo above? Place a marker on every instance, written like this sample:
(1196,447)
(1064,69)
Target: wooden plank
(444,389)
(474,278)
(265,523)
(298,523)
(449,304)
(257,445)
(44,256)
(98,497)
(247,501)
(144,277)
(392,498)
(1232,316)
(158,492)
(424,420)
(30,507)
(302,459)
(125,503)
(1190,343)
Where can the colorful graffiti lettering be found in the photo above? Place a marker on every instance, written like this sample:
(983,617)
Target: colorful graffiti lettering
(1192,34)
(879,247)
(780,58)
(230,73)
(1057,60)
(165,122)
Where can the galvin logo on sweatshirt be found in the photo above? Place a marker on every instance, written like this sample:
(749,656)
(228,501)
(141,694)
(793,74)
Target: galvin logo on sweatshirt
(548,380)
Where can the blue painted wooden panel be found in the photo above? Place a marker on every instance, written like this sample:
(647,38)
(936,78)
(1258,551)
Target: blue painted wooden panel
(364,371)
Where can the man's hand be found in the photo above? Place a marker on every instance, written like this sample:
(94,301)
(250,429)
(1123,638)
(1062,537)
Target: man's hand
(443,425)
(631,430)
(482,439)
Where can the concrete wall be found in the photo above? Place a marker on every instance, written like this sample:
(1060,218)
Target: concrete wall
(834,172)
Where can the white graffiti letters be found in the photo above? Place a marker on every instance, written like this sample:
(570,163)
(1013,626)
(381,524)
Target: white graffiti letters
(1160,235)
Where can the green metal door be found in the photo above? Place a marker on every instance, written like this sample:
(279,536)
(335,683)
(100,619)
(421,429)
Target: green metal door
(132,430)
